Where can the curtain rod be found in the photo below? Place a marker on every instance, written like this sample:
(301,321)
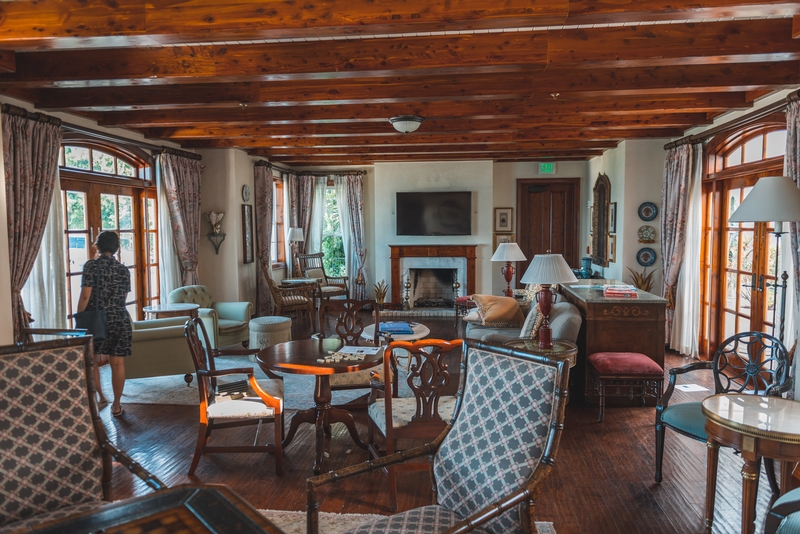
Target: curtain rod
(157,149)
(17,111)
(736,123)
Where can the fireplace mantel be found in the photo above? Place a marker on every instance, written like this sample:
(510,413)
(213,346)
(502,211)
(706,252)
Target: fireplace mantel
(430,251)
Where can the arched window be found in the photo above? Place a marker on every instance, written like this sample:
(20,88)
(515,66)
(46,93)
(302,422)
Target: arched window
(110,187)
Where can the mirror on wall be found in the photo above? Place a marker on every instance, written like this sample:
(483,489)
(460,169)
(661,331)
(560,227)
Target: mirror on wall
(600,217)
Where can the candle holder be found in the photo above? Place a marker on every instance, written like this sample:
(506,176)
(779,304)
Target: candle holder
(406,301)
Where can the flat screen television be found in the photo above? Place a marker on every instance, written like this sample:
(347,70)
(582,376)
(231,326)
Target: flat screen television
(434,213)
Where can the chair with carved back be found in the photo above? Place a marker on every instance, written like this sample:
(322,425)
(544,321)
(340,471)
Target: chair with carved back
(748,362)
(240,404)
(348,326)
(296,298)
(55,456)
(423,416)
(312,266)
(487,472)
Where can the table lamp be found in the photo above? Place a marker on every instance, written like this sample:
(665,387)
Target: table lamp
(773,198)
(295,237)
(546,270)
(508,252)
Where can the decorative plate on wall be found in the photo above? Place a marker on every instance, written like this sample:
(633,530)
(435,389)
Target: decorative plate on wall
(647,234)
(648,211)
(646,257)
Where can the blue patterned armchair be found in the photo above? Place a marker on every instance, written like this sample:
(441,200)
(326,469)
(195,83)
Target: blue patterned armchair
(55,456)
(227,323)
(487,470)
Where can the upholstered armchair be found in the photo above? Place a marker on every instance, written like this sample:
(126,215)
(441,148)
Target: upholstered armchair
(158,348)
(227,323)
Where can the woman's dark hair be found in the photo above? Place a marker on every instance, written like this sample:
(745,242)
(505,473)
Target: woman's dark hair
(107,242)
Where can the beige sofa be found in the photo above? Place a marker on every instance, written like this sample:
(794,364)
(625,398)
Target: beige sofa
(159,349)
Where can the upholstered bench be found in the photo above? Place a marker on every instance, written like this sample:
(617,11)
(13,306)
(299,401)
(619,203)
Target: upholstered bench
(623,374)
(268,331)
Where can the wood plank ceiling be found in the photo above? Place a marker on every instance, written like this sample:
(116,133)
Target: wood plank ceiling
(314,83)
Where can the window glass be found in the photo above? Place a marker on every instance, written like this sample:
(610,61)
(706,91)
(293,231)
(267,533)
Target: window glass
(102,162)
(125,212)
(754,149)
(76,210)
(76,157)
(125,169)
(734,158)
(776,144)
(108,212)
(332,243)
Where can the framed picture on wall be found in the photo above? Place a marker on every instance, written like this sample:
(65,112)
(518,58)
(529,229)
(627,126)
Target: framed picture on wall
(612,248)
(612,218)
(247,233)
(503,220)
(502,238)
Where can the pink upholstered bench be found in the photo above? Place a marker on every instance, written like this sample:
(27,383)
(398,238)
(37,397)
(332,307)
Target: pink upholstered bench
(624,374)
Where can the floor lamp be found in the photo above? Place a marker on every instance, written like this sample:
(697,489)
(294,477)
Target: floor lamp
(295,237)
(773,198)
(508,252)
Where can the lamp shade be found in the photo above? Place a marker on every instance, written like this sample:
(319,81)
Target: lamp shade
(508,252)
(773,198)
(548,269)
(296,235)
(406,123)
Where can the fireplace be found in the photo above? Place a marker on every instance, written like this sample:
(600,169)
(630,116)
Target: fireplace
(453,258)
(432,288)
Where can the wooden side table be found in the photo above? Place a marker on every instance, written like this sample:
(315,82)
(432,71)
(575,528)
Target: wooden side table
(176,309)
(760,427)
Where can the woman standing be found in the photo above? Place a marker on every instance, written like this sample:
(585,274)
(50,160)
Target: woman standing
(113,283)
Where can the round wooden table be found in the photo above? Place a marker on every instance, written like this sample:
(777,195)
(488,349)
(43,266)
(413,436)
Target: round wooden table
(171,310)
(760,427)
(300,357)
(420,332)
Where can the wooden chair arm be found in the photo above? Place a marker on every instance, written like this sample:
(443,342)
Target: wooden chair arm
(132,465)
(235,352)
(223,372)
(673,377)
(268,399)
(490,512)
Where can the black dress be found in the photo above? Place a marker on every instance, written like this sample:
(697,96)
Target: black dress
(114,281)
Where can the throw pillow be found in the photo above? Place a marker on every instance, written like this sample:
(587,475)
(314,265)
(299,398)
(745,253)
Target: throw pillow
(319,274)
(473,317)
(496,311)
(533,322)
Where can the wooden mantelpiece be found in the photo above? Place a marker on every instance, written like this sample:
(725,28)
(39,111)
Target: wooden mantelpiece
(430,251)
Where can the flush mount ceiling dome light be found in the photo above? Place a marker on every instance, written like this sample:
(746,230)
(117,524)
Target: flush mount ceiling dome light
(406,123)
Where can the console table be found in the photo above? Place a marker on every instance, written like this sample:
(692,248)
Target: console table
(615,325)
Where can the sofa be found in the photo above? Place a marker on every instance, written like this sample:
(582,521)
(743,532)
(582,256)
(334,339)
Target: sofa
(159,348)
(227,323)
(565,321)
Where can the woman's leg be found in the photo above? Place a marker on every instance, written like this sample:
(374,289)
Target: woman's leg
(99,361)
(117,380)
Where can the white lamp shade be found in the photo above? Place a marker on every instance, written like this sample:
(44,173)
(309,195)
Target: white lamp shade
(508,252)
(773,198)
(406,123)
(548,269)
(296,235)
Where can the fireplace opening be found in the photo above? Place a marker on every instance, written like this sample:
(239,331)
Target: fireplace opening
(432,288)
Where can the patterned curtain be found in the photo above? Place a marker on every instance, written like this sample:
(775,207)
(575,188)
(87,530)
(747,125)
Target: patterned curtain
(182,181)
(301,200)
(31,143)
(264,192)
(675,207)
(791,168)
(355,208)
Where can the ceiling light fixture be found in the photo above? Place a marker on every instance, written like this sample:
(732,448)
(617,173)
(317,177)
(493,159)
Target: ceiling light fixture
(406,123)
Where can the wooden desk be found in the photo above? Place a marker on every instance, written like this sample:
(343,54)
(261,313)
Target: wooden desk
(615,325)
(300,357)
(760,427)
(189,508)
(176,309)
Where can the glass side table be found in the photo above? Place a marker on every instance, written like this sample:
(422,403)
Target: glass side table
(562,349)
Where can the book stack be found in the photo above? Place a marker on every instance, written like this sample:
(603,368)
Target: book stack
(621,291)
(396,327)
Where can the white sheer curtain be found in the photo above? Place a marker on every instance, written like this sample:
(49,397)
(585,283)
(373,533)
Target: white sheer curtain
(686,321)
(45,292)
(785,264)
(314,235)
(340,183)
(168,256)
(287,217)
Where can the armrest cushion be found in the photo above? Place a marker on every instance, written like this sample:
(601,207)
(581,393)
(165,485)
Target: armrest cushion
(235,311)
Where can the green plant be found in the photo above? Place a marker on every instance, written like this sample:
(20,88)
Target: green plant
(380,291)
(643,280)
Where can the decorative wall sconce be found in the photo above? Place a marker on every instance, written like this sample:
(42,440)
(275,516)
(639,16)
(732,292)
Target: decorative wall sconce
(216,236)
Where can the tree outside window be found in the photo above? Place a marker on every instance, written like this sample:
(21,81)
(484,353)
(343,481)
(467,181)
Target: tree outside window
(332,243)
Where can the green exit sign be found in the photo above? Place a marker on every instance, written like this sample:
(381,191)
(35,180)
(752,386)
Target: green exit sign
(547,168)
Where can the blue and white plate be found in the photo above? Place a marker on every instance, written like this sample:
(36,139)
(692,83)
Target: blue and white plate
(648,211)
(646,257)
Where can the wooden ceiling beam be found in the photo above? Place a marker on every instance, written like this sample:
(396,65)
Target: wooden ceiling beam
(616,11)
(378,151)
(355,159)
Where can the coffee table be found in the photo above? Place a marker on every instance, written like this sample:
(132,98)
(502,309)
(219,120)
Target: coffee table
(420,332)
(300,357)
(175,309)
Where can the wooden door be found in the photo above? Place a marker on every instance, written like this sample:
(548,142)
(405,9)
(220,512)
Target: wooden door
(548,218)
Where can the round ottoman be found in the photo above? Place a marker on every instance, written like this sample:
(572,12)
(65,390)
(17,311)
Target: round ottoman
(267,331)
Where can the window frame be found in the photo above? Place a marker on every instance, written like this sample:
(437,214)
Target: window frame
(278,222)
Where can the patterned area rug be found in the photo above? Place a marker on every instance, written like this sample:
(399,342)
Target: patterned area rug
(331,523)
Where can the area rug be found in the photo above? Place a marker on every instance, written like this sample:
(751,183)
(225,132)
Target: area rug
(298,389)
(332,523)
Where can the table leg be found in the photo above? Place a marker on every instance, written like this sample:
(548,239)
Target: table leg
(750,471)
(343,416)
(322,398)
(711,481)
(304,416)
(787,470)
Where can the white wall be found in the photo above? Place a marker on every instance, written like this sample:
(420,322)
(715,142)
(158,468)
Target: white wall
(612,164)
(475,176)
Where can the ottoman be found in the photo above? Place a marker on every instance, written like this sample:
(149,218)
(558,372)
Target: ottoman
(623,374)
(267,331)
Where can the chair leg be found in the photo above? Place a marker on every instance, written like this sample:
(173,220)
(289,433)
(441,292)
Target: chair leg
(769,467)
(278,422)
(202,438)
(660,429)
(392,487)
(602,401)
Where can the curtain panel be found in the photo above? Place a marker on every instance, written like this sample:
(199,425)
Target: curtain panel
(675,208)
(791,168)
(359,278)
(30,149)
(263,192)
(182,182)
(301,200)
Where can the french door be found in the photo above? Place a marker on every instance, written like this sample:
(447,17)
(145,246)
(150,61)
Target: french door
(90,208)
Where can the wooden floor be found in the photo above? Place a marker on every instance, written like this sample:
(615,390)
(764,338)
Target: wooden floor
(602,481)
